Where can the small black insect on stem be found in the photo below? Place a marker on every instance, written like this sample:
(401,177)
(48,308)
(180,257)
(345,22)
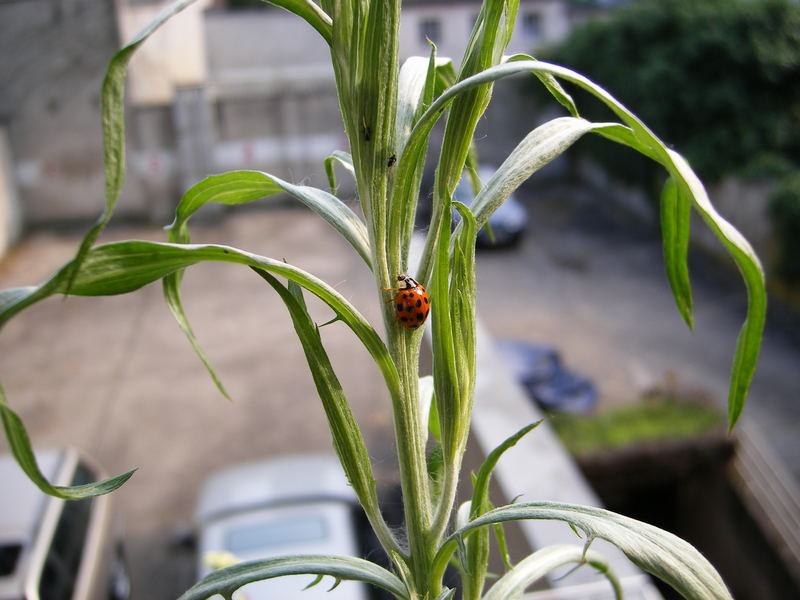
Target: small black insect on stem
(367,133)
(392,161)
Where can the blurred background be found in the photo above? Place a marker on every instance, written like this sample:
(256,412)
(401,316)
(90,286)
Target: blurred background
(572,288)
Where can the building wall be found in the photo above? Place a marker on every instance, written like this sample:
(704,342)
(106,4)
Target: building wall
(212,90)
(273,94)
(52,59)
(173,57)
(539,22)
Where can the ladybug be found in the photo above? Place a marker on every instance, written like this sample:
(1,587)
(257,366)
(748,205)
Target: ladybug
(411,302)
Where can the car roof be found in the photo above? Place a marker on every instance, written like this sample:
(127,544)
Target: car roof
(272,481)
(22,503)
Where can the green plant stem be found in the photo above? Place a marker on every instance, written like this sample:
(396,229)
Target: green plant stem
(412,462)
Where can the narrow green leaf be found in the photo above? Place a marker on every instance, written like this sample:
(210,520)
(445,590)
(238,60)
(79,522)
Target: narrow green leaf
(654,550)
(453,330)
(20,445)
(748,344)
(550,83)
(642,139)
(315,581)
(500,536)
(239,187)
(480,488)
(112,100)
(445,369)
(226,581)
(676,207)
(347,439)
(544,561)
(538,148)
(418,84)
(122,267)
(412,83)
(171,288)
(311,13)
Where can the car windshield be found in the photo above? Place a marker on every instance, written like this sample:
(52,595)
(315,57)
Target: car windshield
(286,532)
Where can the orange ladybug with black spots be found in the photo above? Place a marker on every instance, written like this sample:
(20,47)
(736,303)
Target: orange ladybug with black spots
(411,302)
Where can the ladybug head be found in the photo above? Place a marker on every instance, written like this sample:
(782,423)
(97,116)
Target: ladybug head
(406,281)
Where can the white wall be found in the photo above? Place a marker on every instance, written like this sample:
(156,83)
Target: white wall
(174,56)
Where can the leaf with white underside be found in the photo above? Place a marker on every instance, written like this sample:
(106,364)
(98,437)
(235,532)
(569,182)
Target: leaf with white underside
(654,550)
(241,187)
(226,581)
(532,568)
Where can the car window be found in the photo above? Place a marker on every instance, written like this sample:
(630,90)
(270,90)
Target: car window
(64,556)
(260,536)
(9,556)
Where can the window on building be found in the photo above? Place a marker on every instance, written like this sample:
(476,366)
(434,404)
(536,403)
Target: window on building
(430,29)
(532,25)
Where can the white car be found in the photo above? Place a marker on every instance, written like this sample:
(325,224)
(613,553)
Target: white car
(289,505)
(51,549)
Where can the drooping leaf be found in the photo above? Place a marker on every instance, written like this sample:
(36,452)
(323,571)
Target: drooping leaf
(676,208)
(654,550)
(172,295)
(347,439)
(239,187)
(21,449)
(226,581)
(538,148)
(635,134)
(111,107)
(544,561)
(550,83)
(122,267)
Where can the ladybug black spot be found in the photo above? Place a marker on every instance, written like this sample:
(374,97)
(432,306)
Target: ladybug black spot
(406,295)
(399,307)
(426,300)
(420,317)
(419,302)
(409,308)
(403,319)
